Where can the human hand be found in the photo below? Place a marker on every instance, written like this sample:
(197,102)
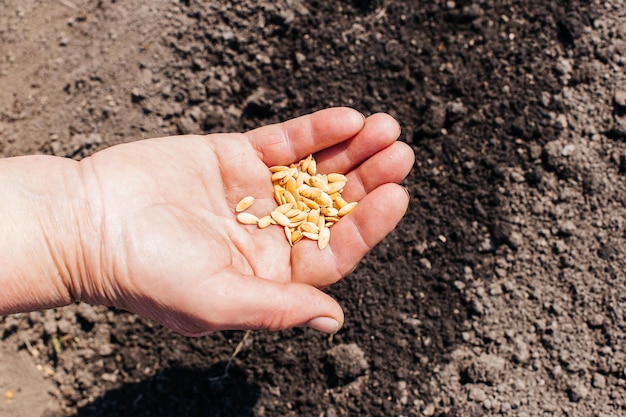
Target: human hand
(160,238)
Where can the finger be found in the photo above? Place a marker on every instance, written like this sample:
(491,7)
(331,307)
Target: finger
(290,141)
(376,215)
(391,165)
(379,132)
(251,303)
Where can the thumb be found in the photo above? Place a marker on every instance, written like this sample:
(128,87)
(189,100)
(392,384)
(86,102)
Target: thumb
(248,302)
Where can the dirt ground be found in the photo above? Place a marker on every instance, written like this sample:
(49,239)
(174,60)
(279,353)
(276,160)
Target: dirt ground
(501,293)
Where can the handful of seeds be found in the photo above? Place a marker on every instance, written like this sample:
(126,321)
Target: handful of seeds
(308,203)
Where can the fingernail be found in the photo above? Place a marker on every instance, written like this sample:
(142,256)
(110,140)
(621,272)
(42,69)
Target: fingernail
(406,190)
(324,324)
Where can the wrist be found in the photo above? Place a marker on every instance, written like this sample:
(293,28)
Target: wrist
(40,248)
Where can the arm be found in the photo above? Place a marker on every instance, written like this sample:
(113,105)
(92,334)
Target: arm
(149,226)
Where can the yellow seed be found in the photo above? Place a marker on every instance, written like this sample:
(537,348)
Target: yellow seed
(299,217)
(291,185)
(296,235)
(329,211)
(334,177)
(310,203)
(244,204)
(313,216)
(304,164)
(324,238)
(335,187)
(321,222)
(277,193)
(312,168)
(318,183)
(309,235)
(280,218)
(310,192)
(264,221)
(247,218)
(290,198)
(283,208)
(347,208)
(309,227)
(302,206)
(277,168)
(340,202)
(277,176)
(288,235)
(301,179)
(335,196)
(296,224)
(292,212)
(324,200)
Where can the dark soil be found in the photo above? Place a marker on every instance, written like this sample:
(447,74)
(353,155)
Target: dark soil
(500,293)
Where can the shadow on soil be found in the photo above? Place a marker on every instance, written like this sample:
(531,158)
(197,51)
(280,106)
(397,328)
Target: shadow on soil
(180,391)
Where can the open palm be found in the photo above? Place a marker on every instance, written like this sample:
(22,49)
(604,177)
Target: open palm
(171,249)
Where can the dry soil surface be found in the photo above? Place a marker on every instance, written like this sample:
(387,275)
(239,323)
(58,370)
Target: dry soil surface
(501,293)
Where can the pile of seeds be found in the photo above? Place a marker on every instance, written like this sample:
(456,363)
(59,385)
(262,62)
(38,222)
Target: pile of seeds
(308,203)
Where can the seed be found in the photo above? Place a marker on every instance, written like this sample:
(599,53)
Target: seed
(299,217)
(318,183)
(244,204)
(277,193)
(313,216)
(264,221)
(310,227)
(310,203)
(310,192)
(247,218)
(329,211)
(335,187)
(302,178)
(296,235)
(336,177)
(309,235)
(277,176)
(291,185)
(323,238)
(347,208)
(288,235)
(340,202)
(277,168)
(283,208)
(292,212)
(312,168)
(331,220)
(302,206)
(280,218)
(306,162)
(324,200)
(289,198)
(296,224)
(335,196)
(321,222)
